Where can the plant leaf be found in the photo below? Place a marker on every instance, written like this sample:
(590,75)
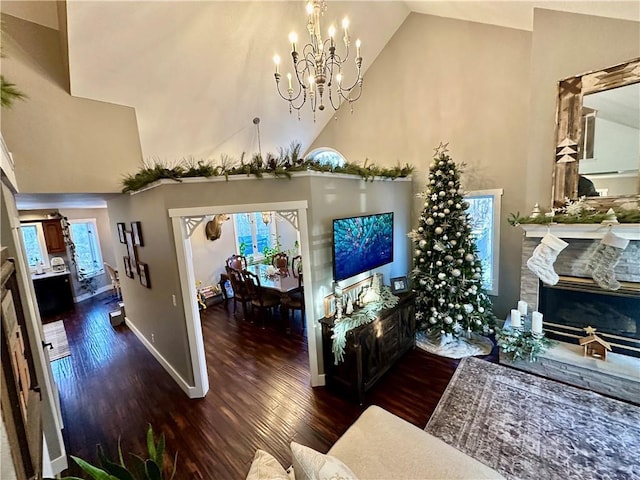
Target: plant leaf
(160,450)
(95,472)
(152,470)
(118,471)
(151,444)
(175,465)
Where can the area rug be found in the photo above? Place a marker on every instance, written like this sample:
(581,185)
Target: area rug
(55,334)
(528,427)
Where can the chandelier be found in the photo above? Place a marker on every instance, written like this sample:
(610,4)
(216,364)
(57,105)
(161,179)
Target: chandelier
(317,68)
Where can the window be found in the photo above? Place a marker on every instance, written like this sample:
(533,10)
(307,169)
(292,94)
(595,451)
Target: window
(34,244)
(253,235)
(327,156)
(84,234)
(484,217)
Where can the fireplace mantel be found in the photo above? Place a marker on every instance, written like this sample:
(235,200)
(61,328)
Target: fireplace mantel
(629,231)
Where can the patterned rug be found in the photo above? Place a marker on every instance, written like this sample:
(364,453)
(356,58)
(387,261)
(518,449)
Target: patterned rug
(55,334)
(528,427)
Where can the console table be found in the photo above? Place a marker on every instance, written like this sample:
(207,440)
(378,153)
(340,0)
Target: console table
(371,349)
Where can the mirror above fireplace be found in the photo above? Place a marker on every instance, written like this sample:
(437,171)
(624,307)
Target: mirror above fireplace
(598,137)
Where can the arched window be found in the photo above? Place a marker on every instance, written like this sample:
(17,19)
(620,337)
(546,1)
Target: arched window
(328,156)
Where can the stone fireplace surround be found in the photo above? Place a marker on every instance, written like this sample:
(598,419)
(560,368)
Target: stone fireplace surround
(619,376)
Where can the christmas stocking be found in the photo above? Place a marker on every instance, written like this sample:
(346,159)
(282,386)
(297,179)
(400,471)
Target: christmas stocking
(544,256)
(604,260)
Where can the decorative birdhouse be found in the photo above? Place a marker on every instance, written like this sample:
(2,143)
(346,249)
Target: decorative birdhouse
(593,345)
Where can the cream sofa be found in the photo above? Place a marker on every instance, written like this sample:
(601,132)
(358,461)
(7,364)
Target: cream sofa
(380,445)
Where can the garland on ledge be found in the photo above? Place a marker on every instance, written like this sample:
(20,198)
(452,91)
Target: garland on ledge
(366,314)
(281,165)
(578,211)
(520,345)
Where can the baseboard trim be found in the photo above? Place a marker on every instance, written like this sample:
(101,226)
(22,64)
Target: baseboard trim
(86,296)
(59,464)
(322,381)
(186,388)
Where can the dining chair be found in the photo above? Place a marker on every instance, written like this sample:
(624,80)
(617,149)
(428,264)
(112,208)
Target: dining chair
(240,293)
(281,262)
(115,280)
(237,262)
(294,300)
(261,299)
(296,265)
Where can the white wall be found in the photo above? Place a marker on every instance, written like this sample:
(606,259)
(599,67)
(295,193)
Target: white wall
(7,468)
(209,256)
(616,148)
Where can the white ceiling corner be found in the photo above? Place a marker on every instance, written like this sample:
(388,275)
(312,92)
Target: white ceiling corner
(197,73)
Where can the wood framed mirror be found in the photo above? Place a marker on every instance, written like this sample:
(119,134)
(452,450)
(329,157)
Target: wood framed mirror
(598,137)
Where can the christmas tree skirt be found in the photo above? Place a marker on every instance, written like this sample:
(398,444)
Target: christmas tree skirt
(451,347)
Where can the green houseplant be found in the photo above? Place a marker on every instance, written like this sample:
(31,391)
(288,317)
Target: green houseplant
(140,468)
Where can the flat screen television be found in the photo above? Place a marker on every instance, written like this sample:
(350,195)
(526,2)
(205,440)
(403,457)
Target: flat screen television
(361,243)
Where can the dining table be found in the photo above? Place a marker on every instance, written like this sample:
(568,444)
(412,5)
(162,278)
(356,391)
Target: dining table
(282,282)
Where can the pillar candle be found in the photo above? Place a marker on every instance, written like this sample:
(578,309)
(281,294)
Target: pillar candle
(522,307)
(536,322)
(515,319)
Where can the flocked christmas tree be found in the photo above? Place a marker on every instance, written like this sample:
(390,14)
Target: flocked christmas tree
(447,273)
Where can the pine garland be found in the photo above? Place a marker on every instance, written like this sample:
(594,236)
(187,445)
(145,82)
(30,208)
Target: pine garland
(520,345)
(281,165)
(366,314)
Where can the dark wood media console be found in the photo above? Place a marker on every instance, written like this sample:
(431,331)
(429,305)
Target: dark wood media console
(371,349)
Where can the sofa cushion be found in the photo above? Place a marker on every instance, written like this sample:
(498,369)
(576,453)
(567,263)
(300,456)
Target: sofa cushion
(380,445)
(266,467)
(311,465)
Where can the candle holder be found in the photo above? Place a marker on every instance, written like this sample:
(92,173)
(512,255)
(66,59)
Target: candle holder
(520,343)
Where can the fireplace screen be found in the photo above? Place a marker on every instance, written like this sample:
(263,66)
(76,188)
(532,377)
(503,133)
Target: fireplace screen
(575,303)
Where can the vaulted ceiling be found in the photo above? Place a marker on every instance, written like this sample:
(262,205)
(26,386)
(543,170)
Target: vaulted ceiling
(198,73)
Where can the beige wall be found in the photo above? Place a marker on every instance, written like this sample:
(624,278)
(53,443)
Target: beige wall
(565,45)
(152,311)
(443,80)
(61,144)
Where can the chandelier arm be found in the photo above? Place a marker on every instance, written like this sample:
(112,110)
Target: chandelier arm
(348,97)
(353,86)
(288,98)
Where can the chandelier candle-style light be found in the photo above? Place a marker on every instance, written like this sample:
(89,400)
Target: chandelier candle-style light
(318,67)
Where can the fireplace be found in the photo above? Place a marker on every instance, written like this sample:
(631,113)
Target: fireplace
(575,302)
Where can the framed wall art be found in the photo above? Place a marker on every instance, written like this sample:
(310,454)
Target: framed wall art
(143,273)
(127,266)
(136,229)
(131,249)
(121,229)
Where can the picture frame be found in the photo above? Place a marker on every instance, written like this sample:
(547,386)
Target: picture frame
(143,273)
(127,266)
(131,249)
(136,229)
(399,285)
(121,229)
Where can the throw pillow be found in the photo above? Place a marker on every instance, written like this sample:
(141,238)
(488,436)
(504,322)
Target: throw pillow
(311,465)
(266,467)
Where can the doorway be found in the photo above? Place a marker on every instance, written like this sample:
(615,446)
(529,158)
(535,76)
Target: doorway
(184,222)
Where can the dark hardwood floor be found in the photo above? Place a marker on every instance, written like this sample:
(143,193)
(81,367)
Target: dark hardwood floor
(260,394)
